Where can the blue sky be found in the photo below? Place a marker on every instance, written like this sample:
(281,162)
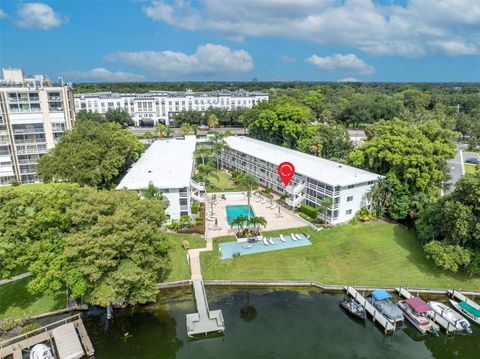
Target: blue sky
(309,40)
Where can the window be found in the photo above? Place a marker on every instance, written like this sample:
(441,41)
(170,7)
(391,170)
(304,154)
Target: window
(348,211)
(349,198)
(183,201)
(351,186)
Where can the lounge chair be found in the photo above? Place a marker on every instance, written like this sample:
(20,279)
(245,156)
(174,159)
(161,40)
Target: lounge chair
(271,241)
(258,199)
(273,206)
(264,200)
(210,218)
(282,238)
(294,237)
(265,241)
(247,246)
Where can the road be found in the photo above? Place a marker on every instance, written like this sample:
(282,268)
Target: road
(139,131)
(456,169)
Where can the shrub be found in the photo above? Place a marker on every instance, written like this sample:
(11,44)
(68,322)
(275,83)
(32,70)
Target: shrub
(185,222)
(364,215)
(306,217)
(236,254)
(186,245)
(7,324)
(199,221)
(448,257)
(309,210)
(174,225)
(267,191)
(195,207)
(30,327)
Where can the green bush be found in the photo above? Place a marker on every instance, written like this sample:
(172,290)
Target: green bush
(195,207)
(309,210)
(186,245)
(306,217)
(199,221)
(364,215)
(267,191)
(30,327)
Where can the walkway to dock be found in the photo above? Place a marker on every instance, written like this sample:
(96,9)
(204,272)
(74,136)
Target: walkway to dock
(62,333)
(449,328)
(204,321)
(376,315)
(458,295)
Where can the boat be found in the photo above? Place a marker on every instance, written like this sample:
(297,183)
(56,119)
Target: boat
(467,310)
(353,307)
(452,317)
(380,299)
(41,351)
(417,312)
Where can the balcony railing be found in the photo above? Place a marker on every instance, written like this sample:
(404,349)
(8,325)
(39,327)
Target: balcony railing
(296,189)
(295,202)
(198,198)
(198,185)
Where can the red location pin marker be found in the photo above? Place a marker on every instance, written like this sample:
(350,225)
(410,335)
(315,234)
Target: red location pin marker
(286,171)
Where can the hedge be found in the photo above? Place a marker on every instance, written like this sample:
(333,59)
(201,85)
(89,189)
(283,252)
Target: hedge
(309,210)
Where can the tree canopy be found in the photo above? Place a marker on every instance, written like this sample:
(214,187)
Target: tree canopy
(105,245)
(92,154)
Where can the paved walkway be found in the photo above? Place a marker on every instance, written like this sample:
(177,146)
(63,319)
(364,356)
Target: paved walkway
(194,258)
(17,277)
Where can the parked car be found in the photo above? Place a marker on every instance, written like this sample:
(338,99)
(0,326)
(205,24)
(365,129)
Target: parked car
(203,128)
(472,160)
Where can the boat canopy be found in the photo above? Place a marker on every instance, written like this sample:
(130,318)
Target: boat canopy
(418,305)
(470,309)
(381,294)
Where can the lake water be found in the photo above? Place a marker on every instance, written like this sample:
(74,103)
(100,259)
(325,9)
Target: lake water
(263,323)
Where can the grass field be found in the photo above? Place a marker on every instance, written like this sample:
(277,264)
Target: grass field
(364,254)
(16,302)
(470,168)
(180,268)
(25,187)
(223,183)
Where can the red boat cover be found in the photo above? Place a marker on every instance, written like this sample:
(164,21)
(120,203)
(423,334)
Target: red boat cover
(418,305)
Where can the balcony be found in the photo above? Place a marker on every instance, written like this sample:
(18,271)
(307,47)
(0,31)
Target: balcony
(296,189)
(183,194)
(295,202)
(200,186)
(198,197)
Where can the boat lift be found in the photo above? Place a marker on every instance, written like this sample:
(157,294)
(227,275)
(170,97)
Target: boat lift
(376,315)
(458,295)
(449,328)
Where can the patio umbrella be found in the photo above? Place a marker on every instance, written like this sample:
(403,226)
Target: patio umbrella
(216,222)
(278,212)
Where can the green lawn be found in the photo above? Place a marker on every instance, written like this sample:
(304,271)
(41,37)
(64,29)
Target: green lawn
(16,302)
(223,183)
(470,168)
(25,187)
(180,268)
(362,254)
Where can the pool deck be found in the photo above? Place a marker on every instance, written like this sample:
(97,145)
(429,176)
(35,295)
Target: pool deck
(287,220)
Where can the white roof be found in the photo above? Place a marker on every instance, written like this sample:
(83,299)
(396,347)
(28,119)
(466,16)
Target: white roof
(166,164)
(320,169)
(67,342)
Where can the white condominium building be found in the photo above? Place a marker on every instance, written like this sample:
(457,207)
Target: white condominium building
(34,114)
(315,178)
(163,106)
(168,165)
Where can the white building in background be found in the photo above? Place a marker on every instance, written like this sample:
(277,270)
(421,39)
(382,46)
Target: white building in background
(163,106)
(168,165)
(34,114)
(315,178)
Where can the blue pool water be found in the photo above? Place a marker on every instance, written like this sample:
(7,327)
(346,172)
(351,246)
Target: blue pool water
(228,249)
(235,211)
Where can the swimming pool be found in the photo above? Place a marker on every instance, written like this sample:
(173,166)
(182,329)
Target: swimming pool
(239,210)
(229,249)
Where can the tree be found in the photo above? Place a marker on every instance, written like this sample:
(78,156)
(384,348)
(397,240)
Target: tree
(205,172)
(163,131)
(119,116)
(104,245)
(248,182)
(239,222)
(203,152)
(325,205)
(93,154)
(186,129)
(257,222)
(212,121)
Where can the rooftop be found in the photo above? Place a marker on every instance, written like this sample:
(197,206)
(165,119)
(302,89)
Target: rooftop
(326,171)
(166,164)
(152,94)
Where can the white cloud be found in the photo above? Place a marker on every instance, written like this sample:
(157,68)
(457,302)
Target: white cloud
(454,47)
(209,59)
(349,79)
(2,14)
(384,28)
(38,16)
(348,63)
(101,74)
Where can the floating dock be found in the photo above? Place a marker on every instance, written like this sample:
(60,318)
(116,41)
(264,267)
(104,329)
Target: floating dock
(69,335)
(204,321)
(376,315)
(458,295)
(449,328)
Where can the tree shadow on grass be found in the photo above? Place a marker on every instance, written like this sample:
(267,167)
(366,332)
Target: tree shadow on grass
(416,256)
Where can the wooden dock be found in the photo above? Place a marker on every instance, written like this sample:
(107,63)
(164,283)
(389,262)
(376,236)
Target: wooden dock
(16,345)
(204,321)
(459,295)
(449,328)
(378,317)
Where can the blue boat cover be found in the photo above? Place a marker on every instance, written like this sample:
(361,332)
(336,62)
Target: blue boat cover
(380,294)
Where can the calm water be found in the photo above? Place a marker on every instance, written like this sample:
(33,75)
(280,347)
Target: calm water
(264,324)
(236,211)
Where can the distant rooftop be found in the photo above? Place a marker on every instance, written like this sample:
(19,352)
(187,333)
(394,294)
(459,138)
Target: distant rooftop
(326,171)
(188,92)
(165,164)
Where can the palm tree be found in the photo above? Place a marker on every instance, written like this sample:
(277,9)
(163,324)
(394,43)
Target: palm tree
(203,152)
(257,222)
(212,121)
(249,182)
(162,130)
(207,171)
(218,147)
(195,129)
(325,204)
(239,222)
(185,129)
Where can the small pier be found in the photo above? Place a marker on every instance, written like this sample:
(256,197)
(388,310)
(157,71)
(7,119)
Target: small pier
(204,321)
(69,335)
(434,316)
(376,315)
(459,295)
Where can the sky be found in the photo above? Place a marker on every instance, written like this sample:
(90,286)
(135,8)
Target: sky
(238,40)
